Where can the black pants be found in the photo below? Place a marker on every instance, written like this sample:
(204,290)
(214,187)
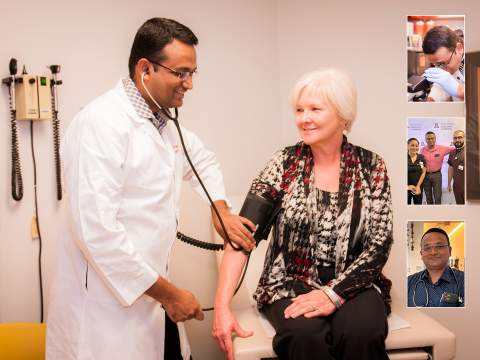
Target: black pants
(459,192)
(172,341)
(356,331)
(417,199)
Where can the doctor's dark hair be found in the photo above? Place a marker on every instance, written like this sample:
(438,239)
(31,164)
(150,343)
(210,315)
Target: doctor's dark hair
(440,36)
(435,230)
(153,36)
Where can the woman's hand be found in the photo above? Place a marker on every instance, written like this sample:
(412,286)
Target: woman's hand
(417,190)
(315,303)
(224,325)
(411,188)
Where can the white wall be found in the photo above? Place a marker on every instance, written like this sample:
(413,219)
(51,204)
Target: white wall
(250,54)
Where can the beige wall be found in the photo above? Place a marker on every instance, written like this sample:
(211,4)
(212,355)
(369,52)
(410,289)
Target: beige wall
(250,54)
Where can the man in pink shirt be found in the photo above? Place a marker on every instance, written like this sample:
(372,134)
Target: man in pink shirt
(434,155)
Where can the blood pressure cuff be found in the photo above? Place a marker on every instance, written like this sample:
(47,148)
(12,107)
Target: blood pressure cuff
(262,212)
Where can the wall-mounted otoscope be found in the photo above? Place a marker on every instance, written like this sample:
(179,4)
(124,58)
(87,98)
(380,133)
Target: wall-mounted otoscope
(16,177)
(55,69)
(12,67)
(32,97)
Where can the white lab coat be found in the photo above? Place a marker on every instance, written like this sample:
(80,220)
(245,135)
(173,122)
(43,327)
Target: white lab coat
(122,184)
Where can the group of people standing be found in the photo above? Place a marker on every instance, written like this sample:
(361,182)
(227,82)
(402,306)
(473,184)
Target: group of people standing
(425,169)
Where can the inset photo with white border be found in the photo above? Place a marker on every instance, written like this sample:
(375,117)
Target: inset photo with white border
(436,160)
(435,58)
(436,263)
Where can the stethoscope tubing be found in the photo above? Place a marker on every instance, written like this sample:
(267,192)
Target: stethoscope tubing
(460,300)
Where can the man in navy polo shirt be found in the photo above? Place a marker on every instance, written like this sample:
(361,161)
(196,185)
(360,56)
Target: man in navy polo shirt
(439,285)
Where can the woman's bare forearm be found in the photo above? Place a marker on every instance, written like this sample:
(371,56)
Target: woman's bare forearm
(229,274)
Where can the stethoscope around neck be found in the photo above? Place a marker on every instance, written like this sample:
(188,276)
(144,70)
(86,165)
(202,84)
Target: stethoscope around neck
(174,118)
(420,280)
(167,113)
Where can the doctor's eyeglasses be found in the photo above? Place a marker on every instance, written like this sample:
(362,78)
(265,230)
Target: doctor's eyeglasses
(436,247)
(443,64)
(182,75)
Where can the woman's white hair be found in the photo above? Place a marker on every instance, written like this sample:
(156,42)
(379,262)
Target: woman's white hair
(332,85)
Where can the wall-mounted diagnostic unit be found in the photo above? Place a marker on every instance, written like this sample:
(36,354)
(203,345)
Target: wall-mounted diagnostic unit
(32,97)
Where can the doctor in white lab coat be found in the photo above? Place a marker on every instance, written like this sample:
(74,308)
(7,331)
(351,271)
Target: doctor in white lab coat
(123,169)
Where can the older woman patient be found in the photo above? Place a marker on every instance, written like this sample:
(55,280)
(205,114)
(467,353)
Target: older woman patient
(321,288)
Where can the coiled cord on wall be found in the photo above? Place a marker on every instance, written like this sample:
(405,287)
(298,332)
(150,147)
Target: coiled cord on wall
(17,180)
(56,149)
(37,222)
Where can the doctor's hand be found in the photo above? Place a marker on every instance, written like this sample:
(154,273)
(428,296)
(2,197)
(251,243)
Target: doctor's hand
(313,304)
(444,79)
(224,325)
(182,305)
(235,225)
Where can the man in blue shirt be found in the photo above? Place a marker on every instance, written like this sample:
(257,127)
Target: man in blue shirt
(438,285)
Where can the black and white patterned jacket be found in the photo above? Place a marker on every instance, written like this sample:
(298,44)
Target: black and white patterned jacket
(364,224)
